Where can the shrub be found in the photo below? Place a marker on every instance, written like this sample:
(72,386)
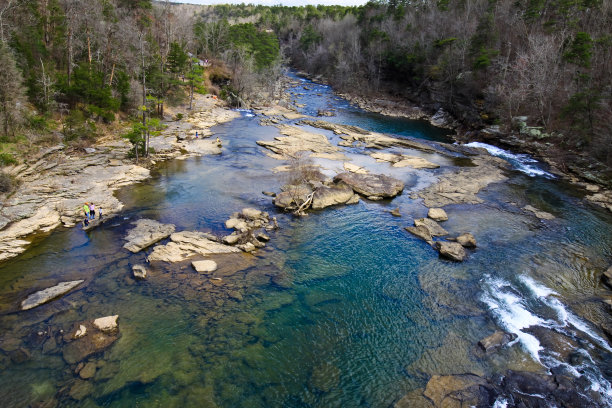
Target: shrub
(7,184)
(7,159)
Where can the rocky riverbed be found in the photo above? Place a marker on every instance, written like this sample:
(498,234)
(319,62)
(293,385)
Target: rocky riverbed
(292,316)
(56,182)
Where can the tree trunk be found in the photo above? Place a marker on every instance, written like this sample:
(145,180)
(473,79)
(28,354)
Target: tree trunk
(144,97)
(110,83)
(69,53)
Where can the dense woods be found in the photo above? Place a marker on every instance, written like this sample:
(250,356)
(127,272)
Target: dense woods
(484,61)
(73,70)
(539,69)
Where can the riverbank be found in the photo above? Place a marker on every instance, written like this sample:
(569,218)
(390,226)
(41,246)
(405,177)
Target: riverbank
(54,184)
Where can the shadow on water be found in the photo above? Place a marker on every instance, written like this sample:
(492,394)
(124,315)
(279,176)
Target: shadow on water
(343,308)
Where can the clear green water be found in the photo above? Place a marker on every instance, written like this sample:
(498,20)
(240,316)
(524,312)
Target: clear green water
(343,308)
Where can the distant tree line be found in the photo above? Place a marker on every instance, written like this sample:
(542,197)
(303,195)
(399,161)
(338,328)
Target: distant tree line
(485,61)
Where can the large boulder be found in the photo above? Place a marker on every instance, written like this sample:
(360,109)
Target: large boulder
(451,250)
(45,295)
(467,240)
(146,233)
(373,186)
(327,196)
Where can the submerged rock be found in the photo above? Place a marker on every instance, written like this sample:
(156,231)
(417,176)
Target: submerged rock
(396,212)
(451,250)
(45,295)
(497,340)
(325,377)
(543,215)
(372,186)
(146,233)
(466,390)
(92,343)
(139,272)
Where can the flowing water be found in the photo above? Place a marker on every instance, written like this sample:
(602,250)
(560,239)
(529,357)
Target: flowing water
(343,308)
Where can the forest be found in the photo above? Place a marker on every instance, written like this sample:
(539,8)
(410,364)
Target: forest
(75,70)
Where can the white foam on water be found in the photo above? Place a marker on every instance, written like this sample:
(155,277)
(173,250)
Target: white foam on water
(500,403)
(512,315)
(537,289)
(522,162)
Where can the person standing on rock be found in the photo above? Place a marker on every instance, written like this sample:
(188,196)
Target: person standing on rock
(99,212)
(92,211)
(86,209)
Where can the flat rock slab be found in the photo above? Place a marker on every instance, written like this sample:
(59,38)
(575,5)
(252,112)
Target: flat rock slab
(146,233)
(204,266)
(45,295)
(186,244)
(372,185)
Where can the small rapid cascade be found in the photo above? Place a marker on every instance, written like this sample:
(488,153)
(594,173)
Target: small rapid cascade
(520,306)
(521,162)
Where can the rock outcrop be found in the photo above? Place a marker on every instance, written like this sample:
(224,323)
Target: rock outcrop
(461,187)
(186,244)
(46,295)
(146,233)
(372,186)
(297,140)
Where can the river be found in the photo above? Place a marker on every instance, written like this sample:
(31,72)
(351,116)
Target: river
(343,308)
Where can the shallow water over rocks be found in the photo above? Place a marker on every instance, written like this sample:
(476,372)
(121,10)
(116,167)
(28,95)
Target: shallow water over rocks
(342,308)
